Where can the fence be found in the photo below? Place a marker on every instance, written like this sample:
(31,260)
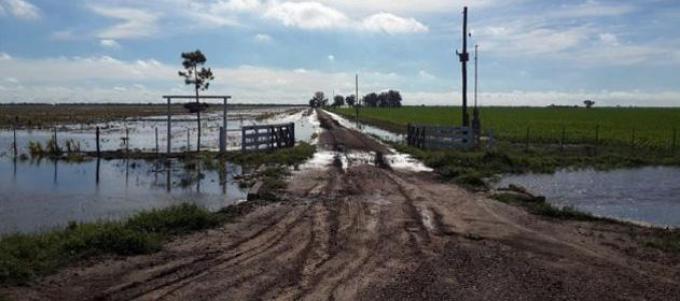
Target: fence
(595,136)
(273,136)
(439,137)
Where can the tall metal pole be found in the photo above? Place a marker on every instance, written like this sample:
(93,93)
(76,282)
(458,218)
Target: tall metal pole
(476,76)
(464,58)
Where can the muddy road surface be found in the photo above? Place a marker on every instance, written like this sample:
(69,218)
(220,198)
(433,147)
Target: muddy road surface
(361,230)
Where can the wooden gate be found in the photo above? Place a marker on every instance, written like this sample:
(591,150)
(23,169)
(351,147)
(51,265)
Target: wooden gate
(264,137)
(439,137)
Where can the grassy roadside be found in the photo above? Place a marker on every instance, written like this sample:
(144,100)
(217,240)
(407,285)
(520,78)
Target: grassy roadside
(24,257)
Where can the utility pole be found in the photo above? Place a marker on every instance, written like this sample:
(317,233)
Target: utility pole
(476,122)
(356,101)
(464,57)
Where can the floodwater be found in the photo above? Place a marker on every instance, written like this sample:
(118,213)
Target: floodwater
(649,195)
(39,195)
(368,129)
(140,133)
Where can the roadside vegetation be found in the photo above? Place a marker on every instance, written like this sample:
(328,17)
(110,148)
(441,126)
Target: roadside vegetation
(473,167)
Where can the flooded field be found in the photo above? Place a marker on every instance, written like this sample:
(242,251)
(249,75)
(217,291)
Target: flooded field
(140,133)
(41,194)
(649,195)
(37,195)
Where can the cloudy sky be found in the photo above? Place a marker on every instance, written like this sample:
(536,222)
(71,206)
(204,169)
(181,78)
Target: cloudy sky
(532,52)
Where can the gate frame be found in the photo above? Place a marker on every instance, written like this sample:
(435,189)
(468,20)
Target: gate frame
(223,130)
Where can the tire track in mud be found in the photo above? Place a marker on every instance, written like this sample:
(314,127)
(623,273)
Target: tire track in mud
(209,262)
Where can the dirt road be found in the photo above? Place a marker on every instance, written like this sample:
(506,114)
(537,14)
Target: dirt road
(357,230)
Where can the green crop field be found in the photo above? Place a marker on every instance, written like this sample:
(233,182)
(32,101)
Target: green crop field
(645,127)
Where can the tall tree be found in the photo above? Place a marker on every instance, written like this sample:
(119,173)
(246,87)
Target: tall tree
(319,99)
(394,99)
(383,100)
(371,100)
(350,100)
(588,103)
(338,101)
(195,74)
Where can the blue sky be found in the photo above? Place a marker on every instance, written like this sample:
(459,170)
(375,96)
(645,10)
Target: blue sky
(532,52)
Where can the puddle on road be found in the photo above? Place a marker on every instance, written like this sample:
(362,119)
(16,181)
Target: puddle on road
(649,195)
(40,195)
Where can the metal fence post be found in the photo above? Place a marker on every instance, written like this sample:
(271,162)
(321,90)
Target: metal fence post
(188,140)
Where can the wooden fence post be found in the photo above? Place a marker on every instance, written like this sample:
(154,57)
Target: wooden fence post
(222,140)
(157,150)
(97,142)
(14,145)
(597,134)
(56,142)
(188,140)
(127,140)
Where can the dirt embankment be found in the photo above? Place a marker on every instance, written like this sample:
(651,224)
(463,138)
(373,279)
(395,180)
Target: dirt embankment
(361,232)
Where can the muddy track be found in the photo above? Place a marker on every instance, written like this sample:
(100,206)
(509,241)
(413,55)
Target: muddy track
(356,231)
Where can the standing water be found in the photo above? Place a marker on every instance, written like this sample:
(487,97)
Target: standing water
(38,195)
(649,195)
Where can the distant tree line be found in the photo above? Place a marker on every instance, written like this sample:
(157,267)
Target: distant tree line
(388,99)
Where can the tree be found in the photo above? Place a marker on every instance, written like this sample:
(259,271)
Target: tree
(318,100)
(589,103)
(338,101)
(383,100)
(371,100)
(200,79)
(394,99)
(350,100)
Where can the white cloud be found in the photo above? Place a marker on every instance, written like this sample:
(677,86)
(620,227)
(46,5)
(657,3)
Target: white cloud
(107,43)
(592,8)
(263,38)
(222,6)
(425,75)
(307,15)
(331,58)
(134,23)
(12,80)
(609,39)
(21,9)
(389,23)
(5,57)
(317,16)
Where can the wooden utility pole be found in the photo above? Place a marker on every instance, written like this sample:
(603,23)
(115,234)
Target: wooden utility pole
(464,57)
(356,101)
